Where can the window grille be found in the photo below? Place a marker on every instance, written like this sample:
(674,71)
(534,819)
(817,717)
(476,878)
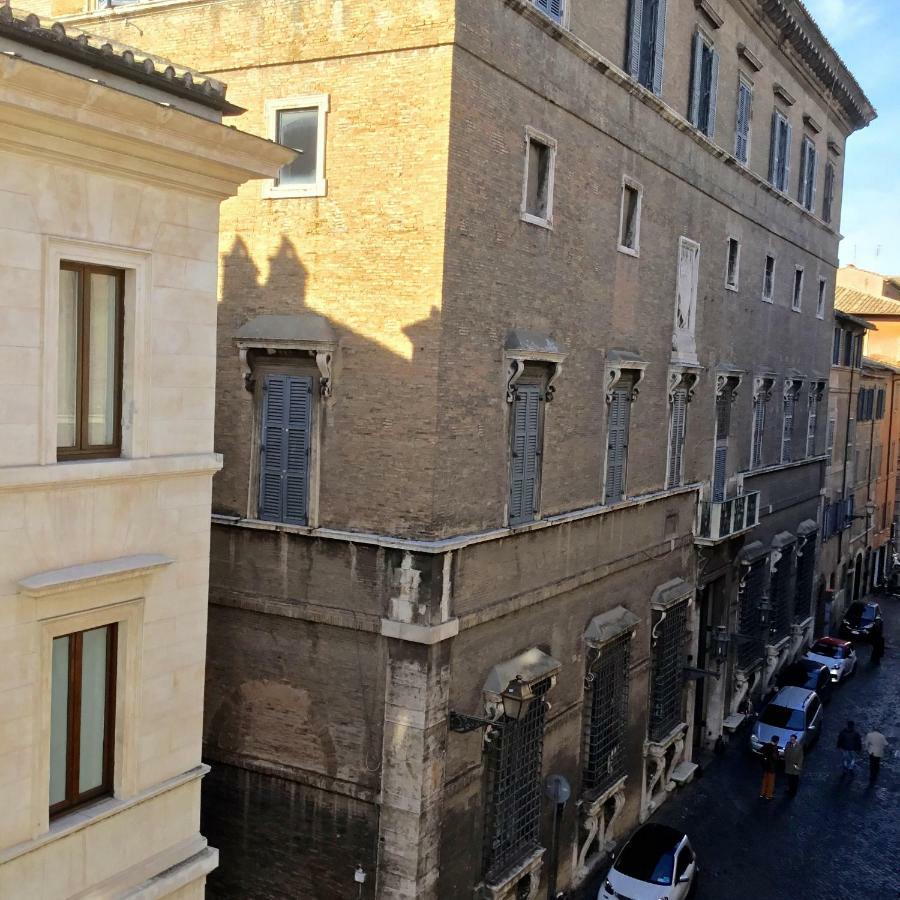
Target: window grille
(751,645)
(759,427)
(668,670)
(606,714)
(787,431)
(514,771)
(806,564)
(782,612)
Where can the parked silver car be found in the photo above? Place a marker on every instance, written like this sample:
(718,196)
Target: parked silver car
(793,710)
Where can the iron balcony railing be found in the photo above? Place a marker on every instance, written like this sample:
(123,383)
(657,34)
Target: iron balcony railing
(718,520)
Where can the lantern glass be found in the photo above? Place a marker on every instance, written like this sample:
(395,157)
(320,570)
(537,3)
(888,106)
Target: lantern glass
(516,699)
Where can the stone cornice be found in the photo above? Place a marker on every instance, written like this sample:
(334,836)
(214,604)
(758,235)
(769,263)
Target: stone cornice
(795,27)
(66,117)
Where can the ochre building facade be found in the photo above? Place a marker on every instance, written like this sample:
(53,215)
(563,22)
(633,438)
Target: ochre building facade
(519,388)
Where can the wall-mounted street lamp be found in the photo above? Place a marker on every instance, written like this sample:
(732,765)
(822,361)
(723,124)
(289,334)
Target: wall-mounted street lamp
(720,642)
(515,700)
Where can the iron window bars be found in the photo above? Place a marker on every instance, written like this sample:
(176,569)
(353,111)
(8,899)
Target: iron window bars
(514,768)
(782,601)
(751,646)
(667,678)
(606,714)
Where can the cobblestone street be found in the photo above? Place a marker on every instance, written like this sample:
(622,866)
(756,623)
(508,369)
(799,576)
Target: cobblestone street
(837,840)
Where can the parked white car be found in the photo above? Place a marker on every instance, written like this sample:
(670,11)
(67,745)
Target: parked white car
(838,655)
(657,863)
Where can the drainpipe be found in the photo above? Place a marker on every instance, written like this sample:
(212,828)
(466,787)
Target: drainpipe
(846,444)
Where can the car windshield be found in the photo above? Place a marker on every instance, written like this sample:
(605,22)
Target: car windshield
(783,717)
(647,863)
(828,650)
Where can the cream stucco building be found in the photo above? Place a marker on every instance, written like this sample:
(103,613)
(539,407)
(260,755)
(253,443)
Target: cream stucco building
(112,168)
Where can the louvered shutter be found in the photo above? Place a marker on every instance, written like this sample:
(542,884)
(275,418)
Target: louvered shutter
(556,10)
(525,463)
(759,425)
(284,449)
(696,80)
(860,405)
(811,426)
(787,432)
(786,164)
(811,175)
(742,129)
(801,189)
(676,438)
(617,444)
(774,144)
(296,473)
(634,43)
(720,453)
(659,46)
(828,192)
(713,95)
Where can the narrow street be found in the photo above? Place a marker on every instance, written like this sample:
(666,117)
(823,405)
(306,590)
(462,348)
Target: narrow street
(838,840)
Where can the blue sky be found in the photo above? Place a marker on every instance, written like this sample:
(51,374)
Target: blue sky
(866,33)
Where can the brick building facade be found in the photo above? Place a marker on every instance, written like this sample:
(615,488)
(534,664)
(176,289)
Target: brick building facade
(548,304)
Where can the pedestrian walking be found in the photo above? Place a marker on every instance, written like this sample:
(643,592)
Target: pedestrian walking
(850,743)
(877,648)
(770,764)
(793,764)
(875,744)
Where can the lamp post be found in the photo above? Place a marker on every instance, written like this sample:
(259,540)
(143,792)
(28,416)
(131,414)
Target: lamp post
(515,700)
(558,790)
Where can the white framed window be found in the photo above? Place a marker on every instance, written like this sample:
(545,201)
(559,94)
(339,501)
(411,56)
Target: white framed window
(555,9)
(806,189)
(742,125)
(704,85)
(780,152)
(797,293)
(537,185)
(768,288)
(630,217)
(299,123)
(820,299)
(647,43)
(733,264)
(812,421)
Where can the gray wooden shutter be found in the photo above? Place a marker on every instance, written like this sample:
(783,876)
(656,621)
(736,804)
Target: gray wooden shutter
(811,175)
(713,95)
(284,449)
(759,427)
(801,189)
(787,430)
(696,80)
(678,413)
(634,42)
(659,47)
(774,144)
(742,129)
(786,164)
(828,193)
(617,444)
(720,453)
(525,463)
(811,424)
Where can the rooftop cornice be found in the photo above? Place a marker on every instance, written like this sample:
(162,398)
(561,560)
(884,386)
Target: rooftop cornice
(111,56)
(797,29)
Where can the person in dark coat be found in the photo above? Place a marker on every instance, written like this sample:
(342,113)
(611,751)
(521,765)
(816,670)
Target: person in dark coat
(849,743)
(793,764)
(770,764)
(877,648)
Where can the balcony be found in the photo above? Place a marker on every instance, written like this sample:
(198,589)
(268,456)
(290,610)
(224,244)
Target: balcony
(718,521)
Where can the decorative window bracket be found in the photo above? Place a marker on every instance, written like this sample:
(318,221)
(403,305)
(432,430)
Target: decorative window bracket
(792,387)
(522,347)
(762,387)
(727,383)
(305,333)
(683,377)
(620,366)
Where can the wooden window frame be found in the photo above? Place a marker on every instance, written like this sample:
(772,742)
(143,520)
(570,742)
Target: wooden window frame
(74,799)
(83,449)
